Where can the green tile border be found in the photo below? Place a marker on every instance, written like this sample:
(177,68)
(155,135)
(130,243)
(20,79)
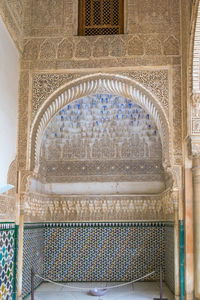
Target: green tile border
(104,224)
(32,226)
(10,226)
(182,271)
(15,261)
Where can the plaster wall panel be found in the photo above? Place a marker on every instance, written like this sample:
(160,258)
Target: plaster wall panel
(9,75)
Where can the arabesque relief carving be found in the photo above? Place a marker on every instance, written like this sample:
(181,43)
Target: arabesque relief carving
(119,86)
(152,42)
(48,18)
(51,17)
(98,208)
(195,114)
(8,199)
(194,146)
(79,48)
(8,206)
(23,118)
(12,174)
(45,33)
(194,140)
(101,138)
(46,83)
(12,13)
(177,114)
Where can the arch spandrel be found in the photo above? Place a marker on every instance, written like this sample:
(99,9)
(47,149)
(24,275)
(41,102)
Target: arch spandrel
(90,85)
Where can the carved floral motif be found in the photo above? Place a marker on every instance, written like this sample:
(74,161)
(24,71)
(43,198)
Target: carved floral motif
(45,84)
(98,208)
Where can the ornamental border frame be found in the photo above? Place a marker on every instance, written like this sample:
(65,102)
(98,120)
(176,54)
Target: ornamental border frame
(114,84)
(194,47)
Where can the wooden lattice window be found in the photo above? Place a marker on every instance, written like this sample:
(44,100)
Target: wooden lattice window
(101,17)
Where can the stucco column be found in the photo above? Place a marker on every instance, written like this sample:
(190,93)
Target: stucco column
(20,223)
(189,251)
(196,202)
(176,247)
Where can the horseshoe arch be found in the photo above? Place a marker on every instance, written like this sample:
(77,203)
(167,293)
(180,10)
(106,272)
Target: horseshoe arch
(91,85)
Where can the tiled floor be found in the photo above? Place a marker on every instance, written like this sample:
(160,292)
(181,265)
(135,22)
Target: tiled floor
(138,291)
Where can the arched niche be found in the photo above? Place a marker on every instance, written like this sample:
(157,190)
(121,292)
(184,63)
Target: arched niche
(90,85)
(102,138)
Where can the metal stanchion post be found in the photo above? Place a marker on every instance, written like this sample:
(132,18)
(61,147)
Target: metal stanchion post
(32,283)
(161,287)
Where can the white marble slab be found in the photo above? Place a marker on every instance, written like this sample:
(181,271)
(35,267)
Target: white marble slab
(137,291)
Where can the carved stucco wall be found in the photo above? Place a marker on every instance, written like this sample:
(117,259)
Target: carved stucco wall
(100,83)
(40,207)
(101,138)
(50,18)
(152,39)
(165,103)
(194,104)
(103,208)
(196,53)
(153,31)
(12,12)
(53,57)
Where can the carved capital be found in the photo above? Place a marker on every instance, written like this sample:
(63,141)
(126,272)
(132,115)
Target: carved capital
(194,146)
(175,197)
(195,113)
(195,98)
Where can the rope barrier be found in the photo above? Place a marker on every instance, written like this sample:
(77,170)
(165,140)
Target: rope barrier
(84,288)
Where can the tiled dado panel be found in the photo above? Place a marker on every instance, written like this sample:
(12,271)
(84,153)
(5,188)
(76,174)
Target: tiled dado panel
(32,256)
(169,257)
(103,252)
(98,252)
(8,238)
